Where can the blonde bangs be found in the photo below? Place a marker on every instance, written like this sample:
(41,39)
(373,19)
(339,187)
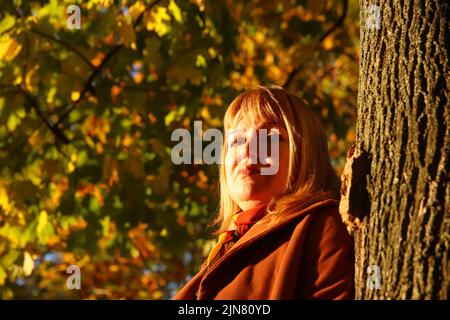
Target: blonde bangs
(253,106)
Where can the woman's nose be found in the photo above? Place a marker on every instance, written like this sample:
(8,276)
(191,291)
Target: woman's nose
(251,146)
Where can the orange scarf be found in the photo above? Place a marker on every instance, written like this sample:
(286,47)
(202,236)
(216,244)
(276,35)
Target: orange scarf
(243,221)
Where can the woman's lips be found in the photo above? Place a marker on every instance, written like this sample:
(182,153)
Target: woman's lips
(250,170)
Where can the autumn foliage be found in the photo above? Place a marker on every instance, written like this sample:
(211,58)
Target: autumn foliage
(86,118)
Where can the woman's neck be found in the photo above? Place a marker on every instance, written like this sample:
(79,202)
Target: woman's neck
(250,204)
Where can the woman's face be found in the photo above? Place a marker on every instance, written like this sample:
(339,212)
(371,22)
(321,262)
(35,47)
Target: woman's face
(254,178)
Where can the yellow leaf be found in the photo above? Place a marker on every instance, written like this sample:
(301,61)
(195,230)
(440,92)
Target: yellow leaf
(136,9)
(7,22)
(70,167)
(156,21)
(34,173)
(175,10)
(37,139)
(42,221)
(103,3)
(9,49)
(134,252)
(2,276)
(4,200)
(32,78)
(28,264)
(13,122)
(51,95)
(127,140)
(75,95)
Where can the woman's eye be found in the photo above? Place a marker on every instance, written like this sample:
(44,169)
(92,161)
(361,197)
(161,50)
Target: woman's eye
(235,141)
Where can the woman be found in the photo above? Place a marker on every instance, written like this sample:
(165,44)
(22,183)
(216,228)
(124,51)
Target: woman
(280,235)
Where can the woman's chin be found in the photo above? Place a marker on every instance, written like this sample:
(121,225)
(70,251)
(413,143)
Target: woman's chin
(251,195)
(251,178)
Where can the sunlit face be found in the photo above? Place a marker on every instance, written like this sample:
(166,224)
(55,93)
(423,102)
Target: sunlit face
(254,178)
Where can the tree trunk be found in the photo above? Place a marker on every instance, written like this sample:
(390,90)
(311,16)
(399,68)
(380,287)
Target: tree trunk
(399,209)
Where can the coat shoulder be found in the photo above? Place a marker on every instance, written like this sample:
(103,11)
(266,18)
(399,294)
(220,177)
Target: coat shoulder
(325,226)
(325,213)
(328,257)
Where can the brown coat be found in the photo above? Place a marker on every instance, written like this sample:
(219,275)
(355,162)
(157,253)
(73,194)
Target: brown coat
(307,255)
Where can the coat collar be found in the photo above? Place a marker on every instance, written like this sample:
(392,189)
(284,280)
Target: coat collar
(243,221)
(258,231)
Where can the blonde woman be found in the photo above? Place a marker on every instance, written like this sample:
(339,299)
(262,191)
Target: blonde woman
(280,235)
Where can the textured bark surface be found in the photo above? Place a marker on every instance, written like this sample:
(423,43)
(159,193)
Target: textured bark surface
(403,127)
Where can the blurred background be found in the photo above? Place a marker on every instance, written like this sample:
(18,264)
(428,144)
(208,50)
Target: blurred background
(86,117)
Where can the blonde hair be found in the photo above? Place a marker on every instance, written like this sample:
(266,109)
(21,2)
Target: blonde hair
(311,177)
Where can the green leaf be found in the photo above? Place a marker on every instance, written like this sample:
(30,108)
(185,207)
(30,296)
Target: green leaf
(7,22)
(10,257)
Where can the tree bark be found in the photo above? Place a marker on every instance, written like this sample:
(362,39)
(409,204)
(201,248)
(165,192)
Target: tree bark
(403,138)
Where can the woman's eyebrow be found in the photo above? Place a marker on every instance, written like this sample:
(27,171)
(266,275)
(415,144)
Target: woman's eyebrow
(276,126)
(231,131)
(267,126)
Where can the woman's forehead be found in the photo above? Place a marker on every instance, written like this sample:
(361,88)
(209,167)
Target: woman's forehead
(243,125)
(253,119)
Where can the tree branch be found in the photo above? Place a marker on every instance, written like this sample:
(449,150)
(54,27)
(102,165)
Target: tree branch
(333,28)
(35,105)
(337,24)
(25,62)
(65,44)
(32,101)
(89,84)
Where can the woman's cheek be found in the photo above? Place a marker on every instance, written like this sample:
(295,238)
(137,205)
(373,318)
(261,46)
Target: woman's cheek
(228,165)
